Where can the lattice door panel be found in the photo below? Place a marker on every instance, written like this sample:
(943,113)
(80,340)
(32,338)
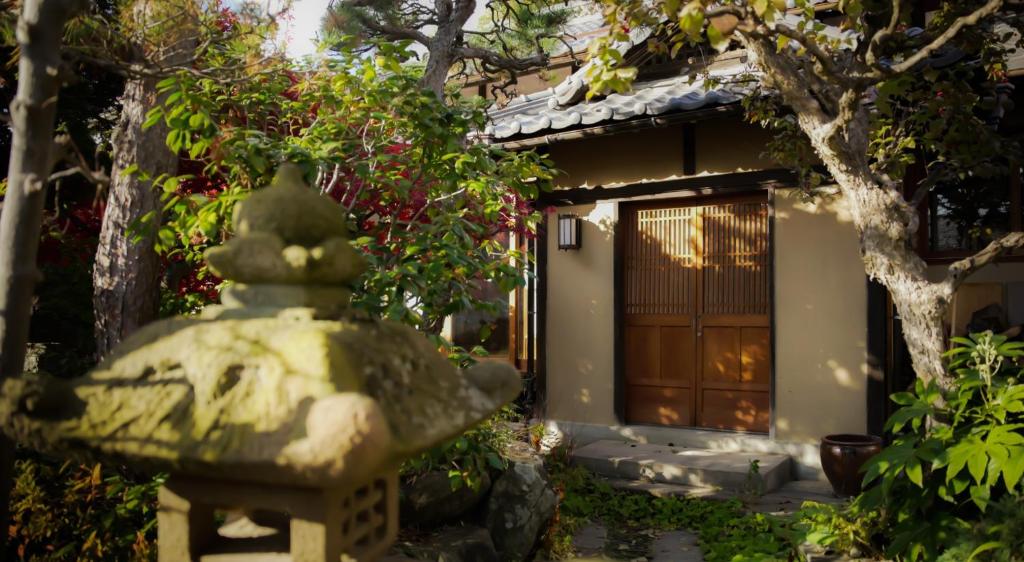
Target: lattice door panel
(735,259)
(660,262)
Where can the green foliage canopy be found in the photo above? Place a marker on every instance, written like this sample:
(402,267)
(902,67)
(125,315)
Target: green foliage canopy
(428,207)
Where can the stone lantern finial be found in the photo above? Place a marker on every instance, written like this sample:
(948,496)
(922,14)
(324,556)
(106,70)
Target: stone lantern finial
(291,249)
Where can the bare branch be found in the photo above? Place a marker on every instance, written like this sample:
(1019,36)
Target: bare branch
(925,186)
(741,12)
(958,271)
(496,60)
(150,69)
(388,30)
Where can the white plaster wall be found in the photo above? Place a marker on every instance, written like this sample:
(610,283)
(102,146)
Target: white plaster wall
(820,321)
(580,330)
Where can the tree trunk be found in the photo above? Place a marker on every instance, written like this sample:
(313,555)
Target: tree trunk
(126,276)
(446,41)
(436,73)
(886,224)
(838,130)
(33,111)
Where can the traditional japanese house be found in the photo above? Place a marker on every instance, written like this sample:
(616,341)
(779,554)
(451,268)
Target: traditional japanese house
(687,292)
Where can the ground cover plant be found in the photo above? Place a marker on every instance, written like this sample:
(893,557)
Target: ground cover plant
(725,529)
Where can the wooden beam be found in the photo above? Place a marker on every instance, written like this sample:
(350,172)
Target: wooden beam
(878,351)
(540,343)
(736,182)
(618,317)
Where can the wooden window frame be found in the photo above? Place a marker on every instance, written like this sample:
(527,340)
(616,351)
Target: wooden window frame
(522,347)
(941,257)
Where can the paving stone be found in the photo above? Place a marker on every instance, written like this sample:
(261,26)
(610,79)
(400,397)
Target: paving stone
(629,543)
(785,500)
(681,465)
(676,546)
(590,540)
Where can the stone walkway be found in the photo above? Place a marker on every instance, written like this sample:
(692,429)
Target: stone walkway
(596,542)
(783,501)
(676,546)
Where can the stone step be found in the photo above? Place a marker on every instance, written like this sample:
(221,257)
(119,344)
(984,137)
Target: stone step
(685,466)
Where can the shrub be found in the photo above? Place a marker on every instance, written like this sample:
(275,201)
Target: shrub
(469,456)
(949,485)
(62,510)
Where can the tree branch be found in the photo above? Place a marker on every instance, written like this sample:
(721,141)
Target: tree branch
(39,32)
(958,271)
(990,8)
(828,65)
(386,29)
(791,84)
(497,60)
(881,36)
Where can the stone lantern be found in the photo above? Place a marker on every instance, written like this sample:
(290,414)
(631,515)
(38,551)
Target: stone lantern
(281,399)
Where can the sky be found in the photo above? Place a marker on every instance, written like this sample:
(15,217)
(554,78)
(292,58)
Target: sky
(301,29)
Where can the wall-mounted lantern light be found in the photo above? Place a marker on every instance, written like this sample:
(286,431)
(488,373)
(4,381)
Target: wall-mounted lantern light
(569,232)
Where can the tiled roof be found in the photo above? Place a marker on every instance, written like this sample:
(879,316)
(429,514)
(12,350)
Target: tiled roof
(561,107)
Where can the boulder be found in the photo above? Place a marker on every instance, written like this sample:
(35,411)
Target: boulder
(465,544)
(455,544)
(430,500)
(519,509)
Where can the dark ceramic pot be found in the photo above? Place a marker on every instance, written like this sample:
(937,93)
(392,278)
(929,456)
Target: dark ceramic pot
(842,457)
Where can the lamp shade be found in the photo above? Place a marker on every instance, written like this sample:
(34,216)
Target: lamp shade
(569,232)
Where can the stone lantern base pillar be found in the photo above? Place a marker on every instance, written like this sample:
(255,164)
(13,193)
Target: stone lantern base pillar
(325,524)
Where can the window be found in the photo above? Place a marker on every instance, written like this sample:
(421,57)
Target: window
(960,218)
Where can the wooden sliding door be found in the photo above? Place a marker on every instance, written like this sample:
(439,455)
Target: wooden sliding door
(696,339)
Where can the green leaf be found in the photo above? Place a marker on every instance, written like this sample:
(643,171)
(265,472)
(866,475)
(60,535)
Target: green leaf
(956,458)
(976,463)
(903,398)
(718,41)
(153,117)
(691,19)
(821,537)
(985,547)
(915,472)
(1013,468)
(980,496)
(166,83)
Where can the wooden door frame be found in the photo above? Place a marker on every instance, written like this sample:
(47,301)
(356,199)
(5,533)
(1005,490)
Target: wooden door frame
(618,284)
